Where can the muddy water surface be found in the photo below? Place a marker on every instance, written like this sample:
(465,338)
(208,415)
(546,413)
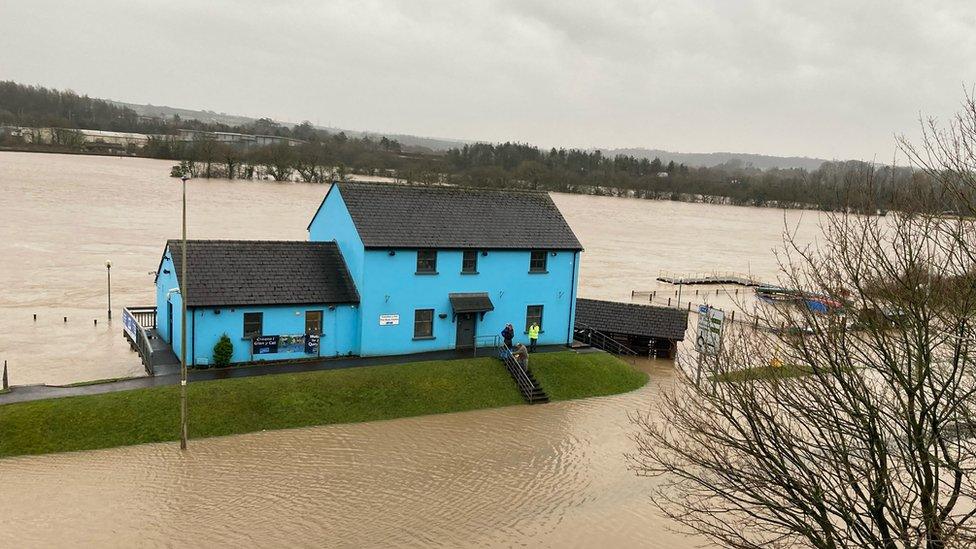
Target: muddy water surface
(550,475)
(64,216)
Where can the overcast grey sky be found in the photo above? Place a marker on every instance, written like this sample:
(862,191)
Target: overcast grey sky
(822,78)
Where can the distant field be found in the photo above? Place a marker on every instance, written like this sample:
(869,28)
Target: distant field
(243,405)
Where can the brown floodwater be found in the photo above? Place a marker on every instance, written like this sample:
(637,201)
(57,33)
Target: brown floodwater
(545,475)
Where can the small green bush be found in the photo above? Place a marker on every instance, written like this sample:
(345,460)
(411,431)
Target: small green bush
(223,351)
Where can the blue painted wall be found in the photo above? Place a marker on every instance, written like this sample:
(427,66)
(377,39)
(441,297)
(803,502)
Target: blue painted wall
(206,326)
(340,326)
(395,288)
(333,222)
(388,284)
(572,302)
(165,282)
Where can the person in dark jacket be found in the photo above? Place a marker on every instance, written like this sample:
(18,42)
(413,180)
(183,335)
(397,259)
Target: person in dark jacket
(508,334)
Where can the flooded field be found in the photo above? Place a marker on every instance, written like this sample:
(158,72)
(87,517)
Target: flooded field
(64,216)
(550,475)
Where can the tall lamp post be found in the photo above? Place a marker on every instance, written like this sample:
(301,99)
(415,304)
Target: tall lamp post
(183,298)
(108,271)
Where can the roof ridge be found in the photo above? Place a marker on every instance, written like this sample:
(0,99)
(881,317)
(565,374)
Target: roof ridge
(244,241)
(506,190)
(633,304)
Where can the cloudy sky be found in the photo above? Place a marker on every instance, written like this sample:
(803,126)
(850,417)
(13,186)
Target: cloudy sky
(823,78)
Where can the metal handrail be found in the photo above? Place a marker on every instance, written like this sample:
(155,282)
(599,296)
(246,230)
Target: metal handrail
(515,368)
(621,349)
(491,342)
(142,340)
(146,351)
(704,274)
(145,316)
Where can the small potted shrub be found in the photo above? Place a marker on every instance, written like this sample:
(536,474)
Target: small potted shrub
(223,351)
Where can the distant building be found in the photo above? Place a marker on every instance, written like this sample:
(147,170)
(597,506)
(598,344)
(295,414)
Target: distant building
(49,136)
(387,270)
(238,139)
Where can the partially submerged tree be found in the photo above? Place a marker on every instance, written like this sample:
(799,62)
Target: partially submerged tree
(206,150)
(232,157)
(277,161)
(313,162)
(869,441)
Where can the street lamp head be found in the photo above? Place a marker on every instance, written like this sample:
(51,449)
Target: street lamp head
(108,263)
(185,177)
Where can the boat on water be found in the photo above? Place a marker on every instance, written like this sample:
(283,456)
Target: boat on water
(815,302)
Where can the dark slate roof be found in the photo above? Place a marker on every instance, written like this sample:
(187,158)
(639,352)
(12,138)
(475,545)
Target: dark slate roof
(413,216)
(632,318)
(471,302)
(263,272)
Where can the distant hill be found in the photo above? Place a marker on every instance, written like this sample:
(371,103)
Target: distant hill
(189,114)
(708,160)
(760,161)
(412,141)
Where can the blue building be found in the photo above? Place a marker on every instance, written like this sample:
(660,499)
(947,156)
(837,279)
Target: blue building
(387,270)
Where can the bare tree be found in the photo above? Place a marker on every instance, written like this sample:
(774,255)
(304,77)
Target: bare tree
(232,158)
(312,161)
(947,154)
(278,161)
(206,151)
(864,436)
(67,137)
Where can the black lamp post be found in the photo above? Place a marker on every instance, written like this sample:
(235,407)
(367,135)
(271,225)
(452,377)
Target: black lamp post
(108,271)
(183,298)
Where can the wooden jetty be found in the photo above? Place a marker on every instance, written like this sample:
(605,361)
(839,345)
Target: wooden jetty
(708,278)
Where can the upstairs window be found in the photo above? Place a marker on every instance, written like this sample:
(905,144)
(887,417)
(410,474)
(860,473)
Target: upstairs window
(427,261)
(537,262)
(469,262)
(253,324)
(423,323)
(533,314)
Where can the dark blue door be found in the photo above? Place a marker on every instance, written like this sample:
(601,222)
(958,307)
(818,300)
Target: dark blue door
(465,331)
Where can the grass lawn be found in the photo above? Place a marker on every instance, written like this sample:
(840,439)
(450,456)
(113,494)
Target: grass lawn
(586,375)
(766,372)
(242,405)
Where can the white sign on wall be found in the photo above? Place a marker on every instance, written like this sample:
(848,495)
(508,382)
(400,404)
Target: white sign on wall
(389,320)
(710,321)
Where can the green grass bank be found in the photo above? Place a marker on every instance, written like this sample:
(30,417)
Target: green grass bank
(242,405)
(764,373)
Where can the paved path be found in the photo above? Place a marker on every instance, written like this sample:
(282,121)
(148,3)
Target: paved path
(27,393)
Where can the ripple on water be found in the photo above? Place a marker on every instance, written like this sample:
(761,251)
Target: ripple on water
(539,475)
(549,475)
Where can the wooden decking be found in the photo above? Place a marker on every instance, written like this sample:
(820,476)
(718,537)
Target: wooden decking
(162,352)
(139,329)
(708,278)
